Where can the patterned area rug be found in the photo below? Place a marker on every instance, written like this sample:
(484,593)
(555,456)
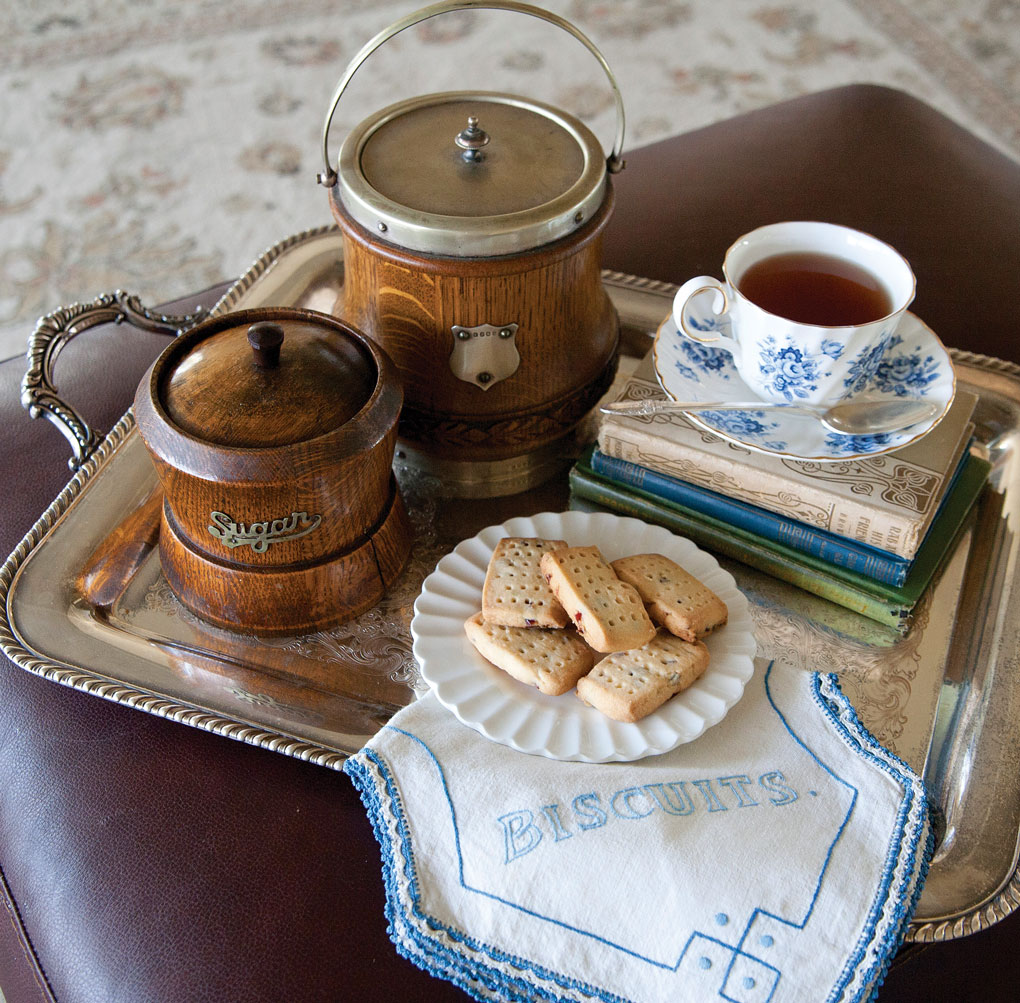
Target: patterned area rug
(160,146)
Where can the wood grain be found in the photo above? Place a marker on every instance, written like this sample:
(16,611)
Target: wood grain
(219,392)
(279,538)
(291,599)
(567,335)
(106,573)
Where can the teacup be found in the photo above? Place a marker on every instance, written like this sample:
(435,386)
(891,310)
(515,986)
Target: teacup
(811,309)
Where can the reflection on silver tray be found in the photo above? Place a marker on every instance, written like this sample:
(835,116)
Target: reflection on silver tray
(946,697)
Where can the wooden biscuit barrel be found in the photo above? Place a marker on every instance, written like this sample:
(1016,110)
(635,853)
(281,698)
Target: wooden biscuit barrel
(472,224)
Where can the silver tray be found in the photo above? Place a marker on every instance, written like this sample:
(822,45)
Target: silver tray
(945,697)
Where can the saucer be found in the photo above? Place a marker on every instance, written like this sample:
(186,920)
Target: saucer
(915,364)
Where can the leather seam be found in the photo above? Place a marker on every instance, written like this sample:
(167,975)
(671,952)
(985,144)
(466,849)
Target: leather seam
(14,917)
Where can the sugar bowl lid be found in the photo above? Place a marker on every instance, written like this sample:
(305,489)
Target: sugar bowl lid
(264,378)
(469,173)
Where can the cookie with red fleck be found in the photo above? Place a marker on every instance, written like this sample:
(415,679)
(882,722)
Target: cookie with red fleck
(674,598)
(607,612)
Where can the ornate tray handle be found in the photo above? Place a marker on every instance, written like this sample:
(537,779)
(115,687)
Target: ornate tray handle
(39,392)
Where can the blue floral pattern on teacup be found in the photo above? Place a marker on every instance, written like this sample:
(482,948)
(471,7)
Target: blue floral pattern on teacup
(906,374)
(792,373)
(914,362)
(832,348)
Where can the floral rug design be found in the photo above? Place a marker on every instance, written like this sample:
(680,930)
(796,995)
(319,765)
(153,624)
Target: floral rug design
(160,147)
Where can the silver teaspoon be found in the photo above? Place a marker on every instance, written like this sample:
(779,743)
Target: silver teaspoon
(855,417)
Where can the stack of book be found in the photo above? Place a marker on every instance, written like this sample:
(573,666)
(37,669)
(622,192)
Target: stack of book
(867,533)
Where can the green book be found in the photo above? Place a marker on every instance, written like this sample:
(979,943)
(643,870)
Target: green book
(887,604)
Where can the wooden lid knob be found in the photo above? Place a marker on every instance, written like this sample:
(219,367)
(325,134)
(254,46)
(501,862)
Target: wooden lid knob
(265,339)
(234,387)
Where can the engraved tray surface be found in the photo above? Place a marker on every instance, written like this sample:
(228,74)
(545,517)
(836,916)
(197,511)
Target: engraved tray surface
(946,697)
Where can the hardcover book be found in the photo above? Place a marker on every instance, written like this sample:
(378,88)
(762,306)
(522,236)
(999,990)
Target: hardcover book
(885,501)
(888,604)
(868,561)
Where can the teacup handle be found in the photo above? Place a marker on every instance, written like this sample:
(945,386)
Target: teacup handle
(687,292)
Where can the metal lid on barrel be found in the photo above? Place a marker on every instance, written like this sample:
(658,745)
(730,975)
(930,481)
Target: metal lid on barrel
(465,173)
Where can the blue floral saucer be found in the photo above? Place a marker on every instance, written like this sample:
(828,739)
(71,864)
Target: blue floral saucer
(915,363)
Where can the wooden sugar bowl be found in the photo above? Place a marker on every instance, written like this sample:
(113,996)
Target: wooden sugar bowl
(472,225)
(272,432)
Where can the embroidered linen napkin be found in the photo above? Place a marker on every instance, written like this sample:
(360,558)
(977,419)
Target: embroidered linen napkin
(776,858)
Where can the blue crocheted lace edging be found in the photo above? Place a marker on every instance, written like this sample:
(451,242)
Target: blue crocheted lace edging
(903,876)
(913,824)
(469,971)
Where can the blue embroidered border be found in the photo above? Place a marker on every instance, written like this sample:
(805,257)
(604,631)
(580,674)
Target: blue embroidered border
(449,964)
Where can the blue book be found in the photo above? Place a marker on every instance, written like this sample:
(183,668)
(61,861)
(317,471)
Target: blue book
(889,604)
(837,550)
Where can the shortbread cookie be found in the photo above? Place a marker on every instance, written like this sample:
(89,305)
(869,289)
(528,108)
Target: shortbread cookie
(552,660)
(629,685)
(674,598)
(515,592)
(607,612)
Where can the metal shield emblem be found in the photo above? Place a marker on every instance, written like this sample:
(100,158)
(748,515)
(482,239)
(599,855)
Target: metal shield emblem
(485,354)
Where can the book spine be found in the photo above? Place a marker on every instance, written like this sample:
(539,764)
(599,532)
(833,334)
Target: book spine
(770,525)
(741,547)
(852,518)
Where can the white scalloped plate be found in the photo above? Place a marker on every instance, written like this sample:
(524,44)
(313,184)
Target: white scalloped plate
(562,727)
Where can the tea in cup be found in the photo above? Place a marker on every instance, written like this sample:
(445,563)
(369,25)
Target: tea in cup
(811,308)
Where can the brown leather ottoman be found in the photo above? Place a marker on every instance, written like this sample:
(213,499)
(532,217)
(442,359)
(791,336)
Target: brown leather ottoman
(146,861)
